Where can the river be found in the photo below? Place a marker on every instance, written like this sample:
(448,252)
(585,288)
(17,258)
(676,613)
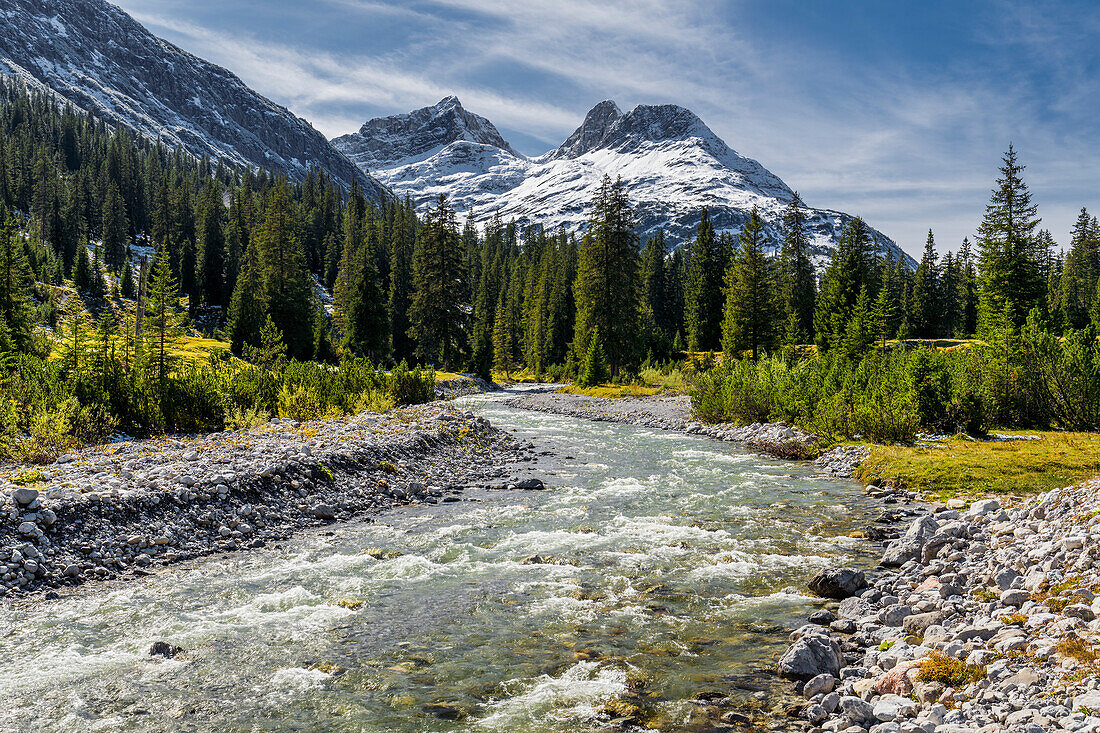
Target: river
(658,589)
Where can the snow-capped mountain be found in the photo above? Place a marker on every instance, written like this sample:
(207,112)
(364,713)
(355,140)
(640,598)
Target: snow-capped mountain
(97,57)
(672,163)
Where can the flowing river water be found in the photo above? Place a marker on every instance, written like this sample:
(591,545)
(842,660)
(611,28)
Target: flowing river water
(666,558)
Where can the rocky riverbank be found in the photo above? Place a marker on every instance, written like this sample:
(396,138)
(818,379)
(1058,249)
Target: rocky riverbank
(126,508)
(673,412)
(979,618)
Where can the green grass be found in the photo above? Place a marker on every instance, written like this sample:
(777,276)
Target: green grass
(613,391)
(962,467)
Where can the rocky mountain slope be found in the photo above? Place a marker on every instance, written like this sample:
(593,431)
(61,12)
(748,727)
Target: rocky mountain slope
(673,164)
(97,57)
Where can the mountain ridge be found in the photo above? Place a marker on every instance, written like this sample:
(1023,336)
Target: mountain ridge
(93,55)
(672,162)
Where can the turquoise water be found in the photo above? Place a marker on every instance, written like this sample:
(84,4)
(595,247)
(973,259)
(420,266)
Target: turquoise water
(660,589)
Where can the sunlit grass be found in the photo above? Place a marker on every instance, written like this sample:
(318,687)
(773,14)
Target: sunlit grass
(968,468)
(613,391)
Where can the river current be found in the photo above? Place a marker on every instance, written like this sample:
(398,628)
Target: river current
(657,598)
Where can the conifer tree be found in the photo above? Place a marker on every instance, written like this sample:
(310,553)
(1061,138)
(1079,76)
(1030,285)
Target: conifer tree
(504,340)
(211,247)
(15,282)
(402,246)
(749,321)
(848,274)
(594,371)
(797,280)
(287,287)
(1011,283)
(82,269)
(438,310)
(607,278)
(126,280)
(368,324)
(163,321)
(926,306)
(703,289)
(246,308)
(655,281)
(1077,285)
(114,228)
(883,311)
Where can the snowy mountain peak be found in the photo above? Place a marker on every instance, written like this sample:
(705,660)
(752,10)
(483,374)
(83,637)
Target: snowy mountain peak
(606,126)
(671,163)
(94,55)
(592,132)
(398,139)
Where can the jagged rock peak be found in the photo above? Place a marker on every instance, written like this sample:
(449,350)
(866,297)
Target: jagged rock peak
(387,140)
(606,126)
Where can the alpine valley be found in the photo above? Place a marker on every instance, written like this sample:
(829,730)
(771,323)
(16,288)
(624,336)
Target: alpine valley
(672,164)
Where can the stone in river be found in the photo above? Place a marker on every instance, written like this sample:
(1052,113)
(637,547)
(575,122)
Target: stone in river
(838,583)
(530,484)
(324,511)
(164,649)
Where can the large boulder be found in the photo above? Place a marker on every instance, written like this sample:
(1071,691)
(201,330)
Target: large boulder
(838,583)
(909,546)
(815,653)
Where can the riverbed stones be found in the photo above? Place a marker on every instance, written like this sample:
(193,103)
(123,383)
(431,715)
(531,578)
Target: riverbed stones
(1002,603)
(838,583)
(107,511)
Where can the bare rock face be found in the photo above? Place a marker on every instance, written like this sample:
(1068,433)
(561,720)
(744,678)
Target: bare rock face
(95,56)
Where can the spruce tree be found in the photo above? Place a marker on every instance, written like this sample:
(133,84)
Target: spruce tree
(163,322)
(114,228)
(15,284)
(883,312)
(211,247)
(1077,285)
(246,308)
(848,274)
(798,282)
(926,307)
(287,287)
(703,289)
(1011,282)
(749,320)
(607,286)
(368,324)
(594,371)
(438,312)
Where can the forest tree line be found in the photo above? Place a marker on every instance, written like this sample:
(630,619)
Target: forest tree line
(251,255)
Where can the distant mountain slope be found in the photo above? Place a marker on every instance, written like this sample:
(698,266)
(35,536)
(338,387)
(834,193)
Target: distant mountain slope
(98,57)
(672,163)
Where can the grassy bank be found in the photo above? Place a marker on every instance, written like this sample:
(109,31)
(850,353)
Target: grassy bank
(966,468)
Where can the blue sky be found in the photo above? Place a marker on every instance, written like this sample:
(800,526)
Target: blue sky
(895,111)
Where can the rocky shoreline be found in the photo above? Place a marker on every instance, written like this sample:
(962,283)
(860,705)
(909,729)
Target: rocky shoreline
(126,508)
(981,617)
(673,412)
